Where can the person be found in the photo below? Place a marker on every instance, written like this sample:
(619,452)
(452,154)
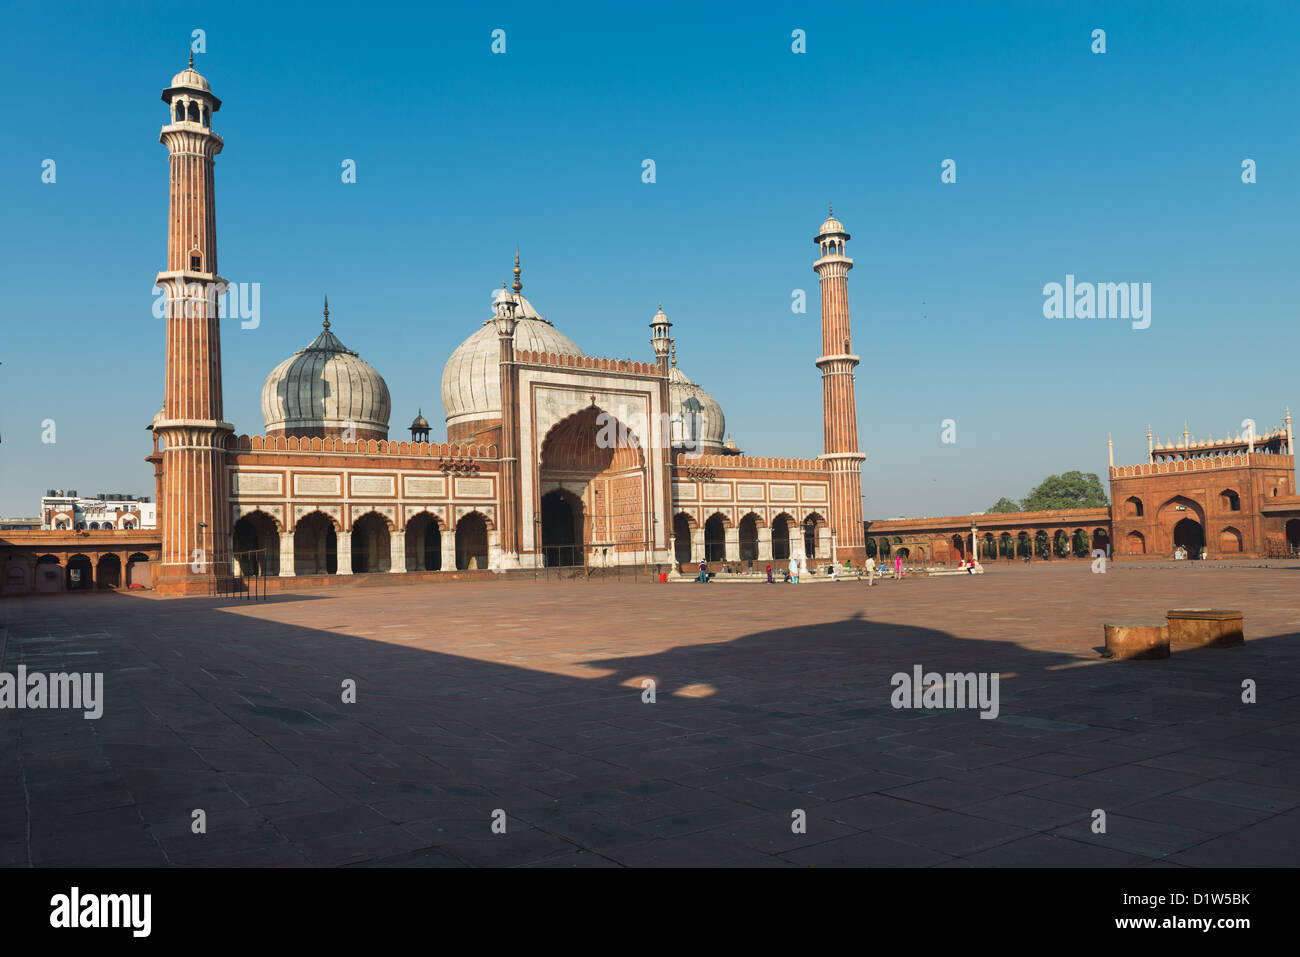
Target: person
(871,570)
(833,571)
(794,570)
(704,573)
(770,579)
(898,566)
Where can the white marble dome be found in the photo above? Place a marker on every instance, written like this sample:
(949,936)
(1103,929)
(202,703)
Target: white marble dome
(471,380)
(701,425)
(326,389)
(191,79)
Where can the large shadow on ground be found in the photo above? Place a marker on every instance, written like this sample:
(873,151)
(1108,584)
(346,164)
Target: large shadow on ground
(244,719)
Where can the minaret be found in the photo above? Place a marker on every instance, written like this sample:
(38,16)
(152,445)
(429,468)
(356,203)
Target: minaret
(839,407)
(1290,438)
(661,340)
(1110,446)
(1151,449)
(506,321)
(194,514)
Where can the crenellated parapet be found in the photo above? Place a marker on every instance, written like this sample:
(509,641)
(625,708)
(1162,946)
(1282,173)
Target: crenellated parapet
(450,453)
(1207,464)
(592,363)
(684,460)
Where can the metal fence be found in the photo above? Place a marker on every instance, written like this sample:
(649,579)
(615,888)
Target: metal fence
(243,578)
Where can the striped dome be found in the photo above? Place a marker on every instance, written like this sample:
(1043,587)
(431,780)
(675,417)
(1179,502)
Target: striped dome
(326,389)
(471,380)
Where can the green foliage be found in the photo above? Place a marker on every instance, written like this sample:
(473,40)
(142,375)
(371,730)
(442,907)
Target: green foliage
(1068,490)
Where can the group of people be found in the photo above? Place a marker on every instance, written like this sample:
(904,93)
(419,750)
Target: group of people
(797,568)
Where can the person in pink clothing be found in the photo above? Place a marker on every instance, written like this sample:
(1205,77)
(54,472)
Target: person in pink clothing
(898,566)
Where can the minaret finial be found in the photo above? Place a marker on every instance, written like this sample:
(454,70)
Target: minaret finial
(830,209)
(191,58)
(326,323)
(518,287)
(673,350)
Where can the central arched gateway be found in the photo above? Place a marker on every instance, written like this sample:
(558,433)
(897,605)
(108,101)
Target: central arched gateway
(1189,534)
(562,528)
(594,504)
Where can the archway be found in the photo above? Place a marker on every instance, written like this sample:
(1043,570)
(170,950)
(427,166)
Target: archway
(781,537)
(1135,544)
(1101,540)
(423,543)
(815,537)
(79,573)
(600,462)
(1024,545)
(1229,541)
(108,571)
(958,545)
(17,577)
(1080,541)
(49,575)
(138,570)
(1189,534)
(562,529)
(715,538)
(371,544)
(1293,534)
(315,546)
(257,545)
(749,538)
(682,532)
(471,542)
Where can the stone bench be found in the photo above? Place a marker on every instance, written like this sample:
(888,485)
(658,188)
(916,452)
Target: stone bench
(1205,627)
(1143,640)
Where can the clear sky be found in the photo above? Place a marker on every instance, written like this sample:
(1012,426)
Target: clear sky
(1117,167)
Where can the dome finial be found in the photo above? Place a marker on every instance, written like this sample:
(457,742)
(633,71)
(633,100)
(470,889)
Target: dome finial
(830,209)
(191,58)
(518,287)
(673,350)
(326,323)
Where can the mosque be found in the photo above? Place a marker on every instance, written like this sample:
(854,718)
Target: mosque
(526,478)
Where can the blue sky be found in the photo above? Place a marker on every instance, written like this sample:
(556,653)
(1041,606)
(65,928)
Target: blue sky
(1118,167)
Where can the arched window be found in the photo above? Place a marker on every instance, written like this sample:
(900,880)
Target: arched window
(194,111)
(1133,507)
(1230,500)
(180,111)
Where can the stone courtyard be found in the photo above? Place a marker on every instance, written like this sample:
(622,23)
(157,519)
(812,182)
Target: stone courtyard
(527,698)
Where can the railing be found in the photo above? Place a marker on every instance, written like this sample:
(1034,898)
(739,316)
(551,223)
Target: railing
(243,578)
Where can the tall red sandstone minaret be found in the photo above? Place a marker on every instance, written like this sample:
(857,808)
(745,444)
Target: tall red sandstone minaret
(839,408)
(194,519)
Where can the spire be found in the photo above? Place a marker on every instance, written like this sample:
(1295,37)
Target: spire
(518,287)
(830,207)
(191,58)
(326,323)
(673,351)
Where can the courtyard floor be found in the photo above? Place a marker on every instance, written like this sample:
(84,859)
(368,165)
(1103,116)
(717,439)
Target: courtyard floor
(524,700)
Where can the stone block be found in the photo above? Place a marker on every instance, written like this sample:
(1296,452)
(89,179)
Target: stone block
(1144,640)
(1205,627)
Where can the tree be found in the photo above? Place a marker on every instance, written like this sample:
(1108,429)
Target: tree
(1002,505)
(1067,490)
